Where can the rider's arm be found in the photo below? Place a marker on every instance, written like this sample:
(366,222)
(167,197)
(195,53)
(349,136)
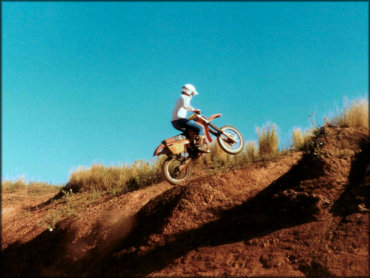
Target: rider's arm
(186,104)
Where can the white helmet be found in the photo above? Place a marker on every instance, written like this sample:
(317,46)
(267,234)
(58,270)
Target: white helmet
(189,89)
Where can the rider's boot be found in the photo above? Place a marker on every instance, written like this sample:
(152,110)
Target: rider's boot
(200,143)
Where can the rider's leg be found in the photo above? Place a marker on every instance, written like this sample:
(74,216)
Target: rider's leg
(186,124)
(196,132)
(194,126)
(200,140)
(192,135)
(202,144)
(179,124)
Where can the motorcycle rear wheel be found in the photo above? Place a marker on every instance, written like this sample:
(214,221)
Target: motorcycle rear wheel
(231,148)
(172,173)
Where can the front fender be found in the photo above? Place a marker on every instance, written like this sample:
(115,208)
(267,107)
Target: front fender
(214,116)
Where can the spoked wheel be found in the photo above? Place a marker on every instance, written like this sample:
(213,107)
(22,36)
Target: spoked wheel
(175,170)
(231,140)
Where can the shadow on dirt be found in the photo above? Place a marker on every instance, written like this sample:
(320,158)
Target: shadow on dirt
(272,209)
(58,196)
(282,204)
(356,195)
(30,258)
(67,189)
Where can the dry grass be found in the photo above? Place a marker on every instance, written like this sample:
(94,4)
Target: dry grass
(115,180)
(220,160)
(297,138)
(247,156)
(217,158)
(268,148)
(32,187)
(268,140)
(355,114)
(98,181)
(12,186)
(300,139)
(251,151)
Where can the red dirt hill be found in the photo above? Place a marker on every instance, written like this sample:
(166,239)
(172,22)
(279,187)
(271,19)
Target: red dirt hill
(305,214)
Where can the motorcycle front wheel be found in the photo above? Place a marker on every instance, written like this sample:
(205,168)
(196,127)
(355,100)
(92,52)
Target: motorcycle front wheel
(172,170)
(234,146)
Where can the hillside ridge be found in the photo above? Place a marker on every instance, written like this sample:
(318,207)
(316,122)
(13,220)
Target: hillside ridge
(304,214)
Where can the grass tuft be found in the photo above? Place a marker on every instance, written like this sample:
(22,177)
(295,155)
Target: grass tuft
(115,180)
(268,140)
(12,186)
(300,140)
(32,187)
(355,114)
(251,152)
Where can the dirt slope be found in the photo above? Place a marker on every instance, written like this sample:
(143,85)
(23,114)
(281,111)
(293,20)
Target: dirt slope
(302,215)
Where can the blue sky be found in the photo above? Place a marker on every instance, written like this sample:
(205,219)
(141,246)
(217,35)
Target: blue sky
(95,82)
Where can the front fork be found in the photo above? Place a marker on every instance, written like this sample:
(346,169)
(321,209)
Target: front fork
(219,132)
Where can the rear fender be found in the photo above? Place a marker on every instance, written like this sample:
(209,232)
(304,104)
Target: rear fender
(161,149)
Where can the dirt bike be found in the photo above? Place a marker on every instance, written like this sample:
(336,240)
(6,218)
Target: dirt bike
(181,149)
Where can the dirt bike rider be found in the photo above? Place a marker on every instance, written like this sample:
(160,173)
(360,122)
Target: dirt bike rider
(180,122)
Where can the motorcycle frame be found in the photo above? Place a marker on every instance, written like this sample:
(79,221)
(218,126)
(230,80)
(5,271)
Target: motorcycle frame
(209,128)
(206,123)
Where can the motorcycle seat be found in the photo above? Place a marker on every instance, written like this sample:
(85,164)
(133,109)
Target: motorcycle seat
(174,139)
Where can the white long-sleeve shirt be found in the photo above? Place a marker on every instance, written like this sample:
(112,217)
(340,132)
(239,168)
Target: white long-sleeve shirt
(181,107)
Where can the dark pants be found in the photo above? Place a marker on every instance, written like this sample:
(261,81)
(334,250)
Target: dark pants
(185,124)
